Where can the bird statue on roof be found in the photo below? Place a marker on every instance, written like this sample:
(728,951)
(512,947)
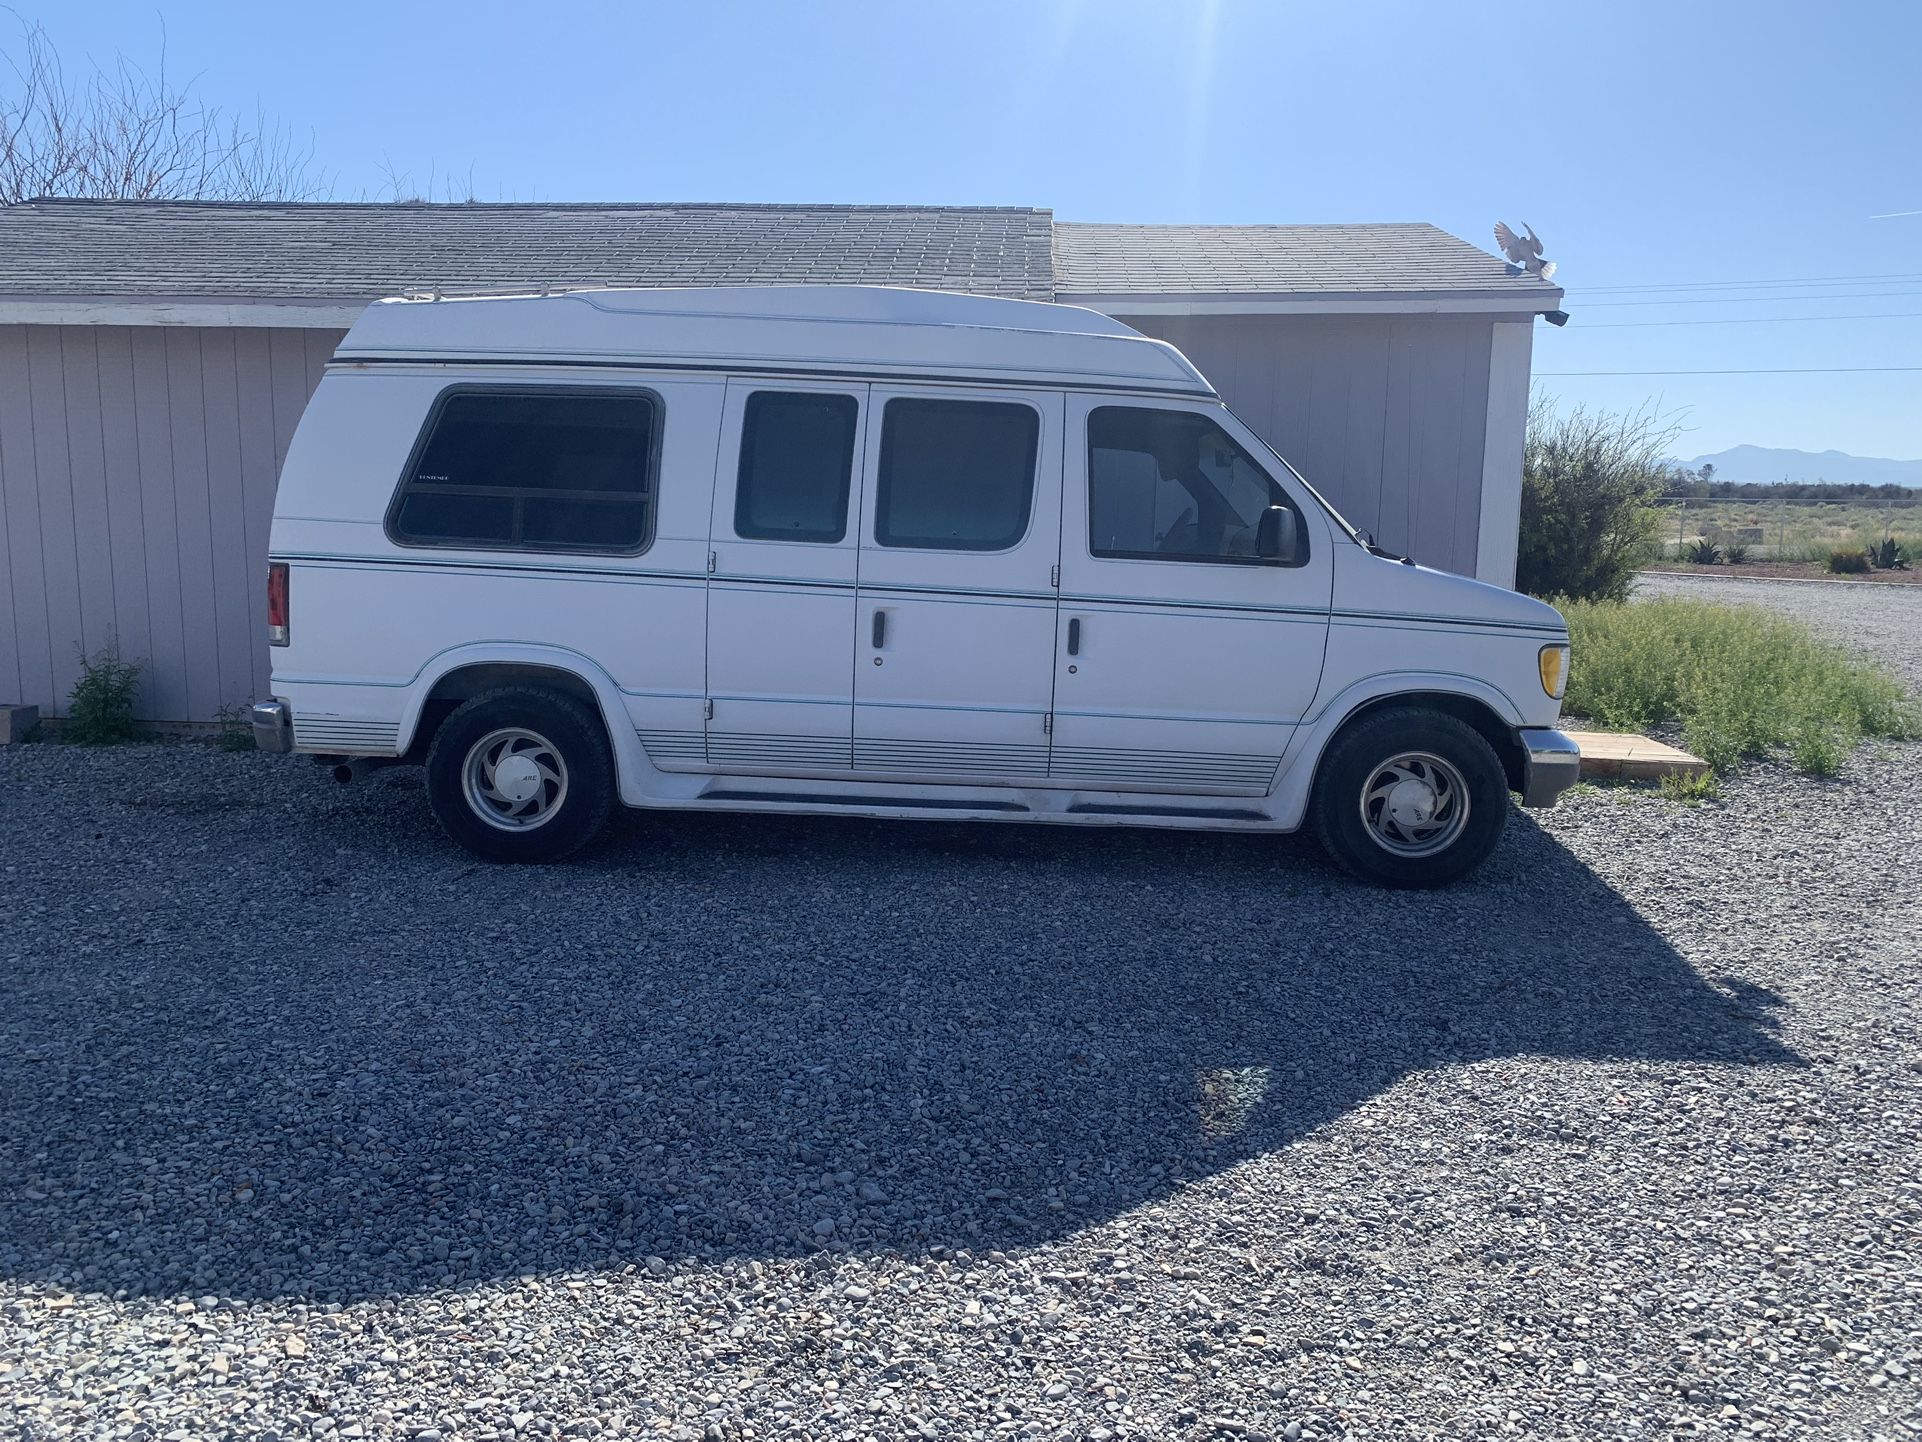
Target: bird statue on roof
(1524,254)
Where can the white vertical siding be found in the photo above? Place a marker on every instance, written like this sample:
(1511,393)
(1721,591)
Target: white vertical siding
(137,471)
(1385,416)
(1507,431)
(26,667)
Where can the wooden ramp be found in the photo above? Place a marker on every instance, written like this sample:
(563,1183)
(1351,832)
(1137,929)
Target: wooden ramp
(1618,756)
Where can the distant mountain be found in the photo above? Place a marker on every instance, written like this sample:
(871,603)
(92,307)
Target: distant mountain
(1765,463)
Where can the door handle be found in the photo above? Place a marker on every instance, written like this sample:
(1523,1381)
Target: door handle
(880,628)
(1074,636)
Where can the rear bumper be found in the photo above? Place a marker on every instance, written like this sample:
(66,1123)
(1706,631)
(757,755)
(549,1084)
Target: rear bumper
(1553,764)
(273,725)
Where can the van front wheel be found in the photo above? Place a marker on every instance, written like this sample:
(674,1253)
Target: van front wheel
(521,773)
(1411,798)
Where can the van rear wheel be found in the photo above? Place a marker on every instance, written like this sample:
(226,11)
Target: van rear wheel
(521,773)
(1411,798)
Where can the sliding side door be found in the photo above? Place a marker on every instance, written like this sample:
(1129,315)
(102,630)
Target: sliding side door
(953,671)
(781,598)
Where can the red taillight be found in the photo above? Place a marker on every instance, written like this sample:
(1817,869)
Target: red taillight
(277,603)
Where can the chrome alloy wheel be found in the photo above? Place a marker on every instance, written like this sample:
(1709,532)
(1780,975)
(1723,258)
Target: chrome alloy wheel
(514,779)
(1415,804)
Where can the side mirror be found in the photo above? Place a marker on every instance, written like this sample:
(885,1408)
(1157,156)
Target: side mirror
(1275,538)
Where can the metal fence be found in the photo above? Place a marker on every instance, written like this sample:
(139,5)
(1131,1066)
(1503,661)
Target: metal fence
(1785,529)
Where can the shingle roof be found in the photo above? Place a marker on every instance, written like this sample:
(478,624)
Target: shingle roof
(341,252)
(329,251)
(1314,260)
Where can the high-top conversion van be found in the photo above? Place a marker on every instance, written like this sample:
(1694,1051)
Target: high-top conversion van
(875,552)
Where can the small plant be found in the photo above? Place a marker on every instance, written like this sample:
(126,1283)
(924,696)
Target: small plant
(1848,563)
(1704,553)
(1886,555)
(1736,555)
(100,707)
(1818,749)
(236,728)
(1691,789)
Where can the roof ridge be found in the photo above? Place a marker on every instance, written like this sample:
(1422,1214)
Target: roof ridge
(835,207)
(1248,225)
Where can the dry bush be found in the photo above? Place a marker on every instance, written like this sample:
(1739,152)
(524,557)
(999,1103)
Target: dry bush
(124,133)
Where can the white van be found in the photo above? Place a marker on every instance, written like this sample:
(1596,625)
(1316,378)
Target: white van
(876,552)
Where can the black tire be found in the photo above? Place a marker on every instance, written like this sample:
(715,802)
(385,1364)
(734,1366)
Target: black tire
(576,808)
(1342,816)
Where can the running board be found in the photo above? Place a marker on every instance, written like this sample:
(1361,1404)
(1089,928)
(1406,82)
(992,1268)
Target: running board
(916,803)
(1198,813)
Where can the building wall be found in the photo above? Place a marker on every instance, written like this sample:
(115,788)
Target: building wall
(137,471)
(1386,417)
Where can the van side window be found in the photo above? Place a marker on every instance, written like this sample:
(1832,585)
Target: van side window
(797,455)
(955,475)
(559,470)
(1174,486)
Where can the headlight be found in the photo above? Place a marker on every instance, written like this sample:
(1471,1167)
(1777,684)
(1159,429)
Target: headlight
(1554,668)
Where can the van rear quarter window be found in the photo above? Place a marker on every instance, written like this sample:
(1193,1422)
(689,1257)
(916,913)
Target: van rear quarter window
(548,470)
(955,475)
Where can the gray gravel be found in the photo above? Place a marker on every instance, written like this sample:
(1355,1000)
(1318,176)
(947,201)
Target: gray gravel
(1876,616)
(310,1126)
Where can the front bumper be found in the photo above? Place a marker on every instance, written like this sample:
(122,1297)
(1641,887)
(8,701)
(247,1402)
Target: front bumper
(1552,764)
(273,726)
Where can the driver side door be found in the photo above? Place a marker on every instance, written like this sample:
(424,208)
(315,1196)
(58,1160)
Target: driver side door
(1184,660)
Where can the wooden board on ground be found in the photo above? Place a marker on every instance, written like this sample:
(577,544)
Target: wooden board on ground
(1618,756)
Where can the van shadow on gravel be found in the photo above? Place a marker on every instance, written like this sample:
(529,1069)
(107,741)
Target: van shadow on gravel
(335,1059)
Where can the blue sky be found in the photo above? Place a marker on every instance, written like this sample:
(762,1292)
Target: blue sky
(1688,142)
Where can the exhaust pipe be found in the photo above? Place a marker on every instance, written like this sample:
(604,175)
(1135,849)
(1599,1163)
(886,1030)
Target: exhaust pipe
(355,767)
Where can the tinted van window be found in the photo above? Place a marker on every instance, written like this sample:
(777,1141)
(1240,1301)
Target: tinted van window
(1174,486)
(557,470)
(797,455)
(955,475)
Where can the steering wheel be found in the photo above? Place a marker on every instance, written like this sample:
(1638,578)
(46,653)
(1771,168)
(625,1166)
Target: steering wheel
(1182,537)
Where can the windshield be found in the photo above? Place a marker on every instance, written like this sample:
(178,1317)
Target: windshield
(1320,500)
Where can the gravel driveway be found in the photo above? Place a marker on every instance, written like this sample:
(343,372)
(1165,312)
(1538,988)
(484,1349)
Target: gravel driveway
(309,1126)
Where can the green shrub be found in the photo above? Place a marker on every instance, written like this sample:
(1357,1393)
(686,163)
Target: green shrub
(1847,562)
(1736,555)
(1819,750)
(1741,681)
(1588,487)
(1886,555)
(100,707)
(236,728)
(1680,787)
(1704,553)
(1801,552)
